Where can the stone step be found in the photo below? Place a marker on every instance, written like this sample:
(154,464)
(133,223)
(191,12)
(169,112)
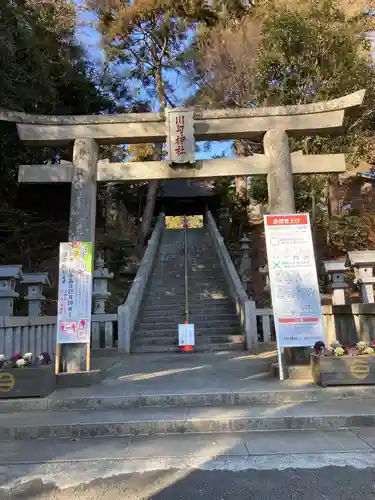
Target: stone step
(224,347)
(210,323)
(180,281)
(176,300)
(192,290)
(177,420)
(265,392)
(105,456)
(199,274)
(178,308)
(172,340)
(198,331)
(175,281)
(154,319)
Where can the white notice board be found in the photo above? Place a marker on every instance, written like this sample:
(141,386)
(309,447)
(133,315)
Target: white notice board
(293,279)
(186,334)
(75,293)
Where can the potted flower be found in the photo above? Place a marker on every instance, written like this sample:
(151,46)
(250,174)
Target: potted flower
(344,364)
(26,375)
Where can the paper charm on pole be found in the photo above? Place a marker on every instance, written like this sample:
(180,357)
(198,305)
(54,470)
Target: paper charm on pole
(180,135)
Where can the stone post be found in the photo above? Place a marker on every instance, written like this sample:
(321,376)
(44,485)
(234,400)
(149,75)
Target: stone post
(363,263)
(100,296)
(81,224)
(336,272)
(280,174)
(35,283)
(8,279)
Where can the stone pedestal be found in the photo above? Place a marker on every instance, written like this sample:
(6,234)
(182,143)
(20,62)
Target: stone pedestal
(363,263)
(8,279)
(336,270)
(81,224)
(35,283)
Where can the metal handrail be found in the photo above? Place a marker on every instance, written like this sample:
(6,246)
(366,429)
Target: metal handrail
(186,271)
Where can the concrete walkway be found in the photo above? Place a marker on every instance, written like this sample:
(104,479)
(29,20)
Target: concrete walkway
(187,372)
(187,380)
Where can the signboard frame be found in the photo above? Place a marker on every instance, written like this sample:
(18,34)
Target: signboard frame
(74,308)
(180,135)
(186,334)
(292,274)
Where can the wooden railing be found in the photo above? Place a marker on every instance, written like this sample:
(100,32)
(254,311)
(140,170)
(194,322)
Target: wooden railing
(265,327)
(345,323)
(38,334)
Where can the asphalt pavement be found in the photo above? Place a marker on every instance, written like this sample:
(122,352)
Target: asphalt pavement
(328,483)
(275,465)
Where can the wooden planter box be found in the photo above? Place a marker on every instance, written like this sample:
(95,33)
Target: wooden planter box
(33,381)
(343,370)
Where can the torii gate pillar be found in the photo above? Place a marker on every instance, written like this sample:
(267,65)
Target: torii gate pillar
(81,223)
(280,173)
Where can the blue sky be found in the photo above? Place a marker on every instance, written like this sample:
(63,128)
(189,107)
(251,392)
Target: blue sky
(90,39)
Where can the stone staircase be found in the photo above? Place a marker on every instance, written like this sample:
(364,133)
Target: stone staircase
(211,309)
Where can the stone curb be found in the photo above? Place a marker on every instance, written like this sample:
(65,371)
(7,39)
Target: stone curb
(223,399)
(162,427)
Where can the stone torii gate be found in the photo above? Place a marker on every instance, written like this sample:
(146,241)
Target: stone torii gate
(272,124)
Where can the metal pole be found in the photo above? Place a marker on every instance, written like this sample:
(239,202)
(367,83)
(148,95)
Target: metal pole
(186,272)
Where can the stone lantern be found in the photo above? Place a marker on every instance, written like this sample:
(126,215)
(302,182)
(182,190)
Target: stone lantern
(35,283)
(245,263)
(8,279)
(100,286)
(336,270)
(363,263)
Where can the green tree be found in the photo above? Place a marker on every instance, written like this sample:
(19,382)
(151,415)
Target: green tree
(42,70)
(284,52)
(146,39)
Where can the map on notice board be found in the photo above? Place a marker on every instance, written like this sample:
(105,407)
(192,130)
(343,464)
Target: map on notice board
(293,279)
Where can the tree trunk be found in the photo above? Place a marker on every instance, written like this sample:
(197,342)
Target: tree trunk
(333,194)
(241,187)
(241,180)
(152,185)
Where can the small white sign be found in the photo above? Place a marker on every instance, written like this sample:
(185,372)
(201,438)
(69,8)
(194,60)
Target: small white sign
(186,335)
(180,135)
(294,282)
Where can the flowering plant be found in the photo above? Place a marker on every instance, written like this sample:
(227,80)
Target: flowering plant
(347,349)
(22,361)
